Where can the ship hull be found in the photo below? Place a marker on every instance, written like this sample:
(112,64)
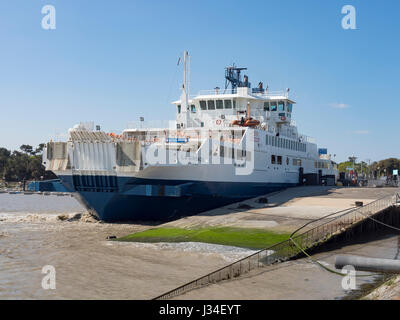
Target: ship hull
(137,199)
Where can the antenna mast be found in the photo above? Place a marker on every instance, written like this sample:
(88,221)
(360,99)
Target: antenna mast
(186,75)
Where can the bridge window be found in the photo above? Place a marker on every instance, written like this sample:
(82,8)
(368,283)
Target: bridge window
(289,107)
(228,104)
(274,106)
(220,104)
(211,105)
(193,108)
(179,108)
(203,105)
(281,106)
(266,106)
(234,104)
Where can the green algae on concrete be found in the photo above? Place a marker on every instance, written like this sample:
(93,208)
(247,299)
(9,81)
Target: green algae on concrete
(239,237)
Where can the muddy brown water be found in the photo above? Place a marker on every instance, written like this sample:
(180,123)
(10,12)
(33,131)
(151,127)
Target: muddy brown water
(87,265)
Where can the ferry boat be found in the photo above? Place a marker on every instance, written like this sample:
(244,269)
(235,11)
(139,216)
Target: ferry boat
(225,145)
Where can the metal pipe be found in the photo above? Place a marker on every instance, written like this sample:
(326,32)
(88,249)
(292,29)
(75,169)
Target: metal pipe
(368,264)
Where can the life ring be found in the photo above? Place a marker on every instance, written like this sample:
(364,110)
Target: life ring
(283,118)
(218,122)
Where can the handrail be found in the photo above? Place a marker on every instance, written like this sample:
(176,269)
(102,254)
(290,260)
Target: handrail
(228,91)
(285,250)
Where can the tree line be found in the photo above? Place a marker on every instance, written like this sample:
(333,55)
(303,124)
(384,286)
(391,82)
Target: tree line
(377,168)
(23,165)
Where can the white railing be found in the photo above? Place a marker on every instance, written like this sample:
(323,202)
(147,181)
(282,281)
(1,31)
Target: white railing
(151,124)
(216,92)
(274,94)
(265,94)
(305,138)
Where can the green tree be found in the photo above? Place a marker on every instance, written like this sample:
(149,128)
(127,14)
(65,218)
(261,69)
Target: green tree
(25,165)
(26,148)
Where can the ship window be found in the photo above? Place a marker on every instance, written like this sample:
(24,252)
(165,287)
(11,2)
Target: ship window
(234,104)
(266,106)
(279,159)
(297,162)
(281,106)
(228,104)
(273,159)
(273,106)
(220,104)
(179,108)
(211,105)
(203,105)
(193,108)
(289,107)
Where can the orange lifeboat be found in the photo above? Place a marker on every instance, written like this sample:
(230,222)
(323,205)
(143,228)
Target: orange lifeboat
(251,123)
(248,122)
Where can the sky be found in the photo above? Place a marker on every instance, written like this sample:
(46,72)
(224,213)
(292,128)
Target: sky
(112,62)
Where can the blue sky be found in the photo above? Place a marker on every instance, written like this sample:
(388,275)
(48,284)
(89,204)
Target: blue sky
(113,61)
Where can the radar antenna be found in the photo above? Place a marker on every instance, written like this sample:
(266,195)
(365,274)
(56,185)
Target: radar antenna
(232,76)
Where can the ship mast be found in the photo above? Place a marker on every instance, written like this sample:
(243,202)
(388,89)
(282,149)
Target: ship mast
(185,90)
(186,77)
